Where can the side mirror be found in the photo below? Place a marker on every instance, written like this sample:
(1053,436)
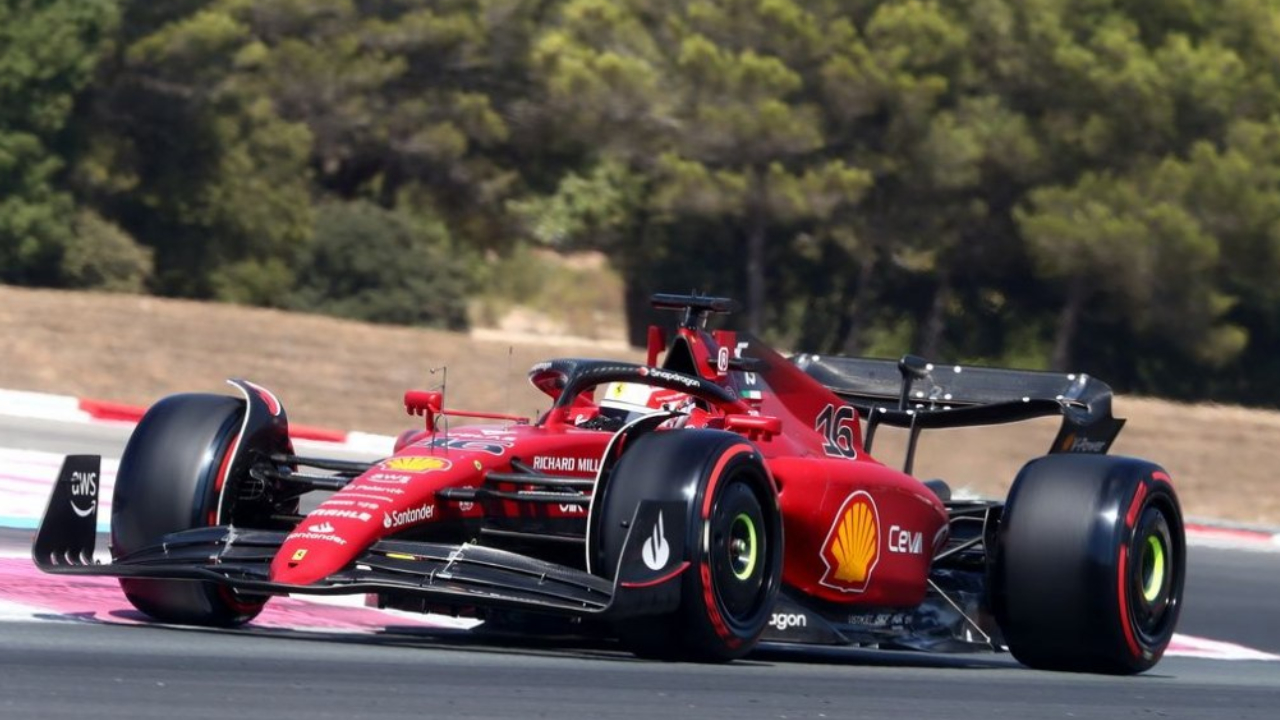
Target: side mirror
(754,427)
(425,403)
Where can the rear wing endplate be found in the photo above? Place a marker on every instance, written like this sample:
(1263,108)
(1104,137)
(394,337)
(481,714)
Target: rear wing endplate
(917,394)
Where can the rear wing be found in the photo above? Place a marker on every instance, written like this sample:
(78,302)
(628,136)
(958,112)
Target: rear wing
(916,394)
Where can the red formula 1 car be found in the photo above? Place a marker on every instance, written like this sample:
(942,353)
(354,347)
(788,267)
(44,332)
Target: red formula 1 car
(692,506)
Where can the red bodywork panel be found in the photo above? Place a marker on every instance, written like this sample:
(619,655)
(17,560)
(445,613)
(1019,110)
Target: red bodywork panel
(856,531)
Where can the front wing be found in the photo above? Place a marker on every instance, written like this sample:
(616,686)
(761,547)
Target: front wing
(461,575)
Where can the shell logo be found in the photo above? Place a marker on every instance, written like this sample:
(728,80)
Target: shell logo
(417,464)
(852,548)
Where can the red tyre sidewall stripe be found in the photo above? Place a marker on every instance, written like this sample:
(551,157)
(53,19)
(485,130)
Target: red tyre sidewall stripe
(1122,579)
(708,592)
(715,476)
(1164,479)
(1122,590)
(713,610)
(1135,505)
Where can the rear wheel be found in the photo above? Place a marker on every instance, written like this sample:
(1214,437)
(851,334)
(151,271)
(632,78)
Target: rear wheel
(1089,565)
(734,537)
(170,479)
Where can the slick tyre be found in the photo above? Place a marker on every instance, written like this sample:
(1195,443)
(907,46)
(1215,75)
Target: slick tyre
(169,480)
(1089,564)
(734,543)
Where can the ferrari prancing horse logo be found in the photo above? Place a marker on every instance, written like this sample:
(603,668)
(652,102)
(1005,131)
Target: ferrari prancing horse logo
(852,548)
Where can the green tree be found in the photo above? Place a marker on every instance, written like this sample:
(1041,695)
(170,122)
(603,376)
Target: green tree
(967,112)
(101,256)
(703,102)
(196,165)
(47,55)
(377,265)
(1082,183)
(402,99)
(1134,241)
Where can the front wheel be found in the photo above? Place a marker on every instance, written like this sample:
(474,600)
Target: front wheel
(1089,564)
(734,541)
(170,479)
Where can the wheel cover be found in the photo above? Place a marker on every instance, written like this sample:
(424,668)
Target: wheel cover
(738,542)
(1152,568)
(1153,577)
(744,549)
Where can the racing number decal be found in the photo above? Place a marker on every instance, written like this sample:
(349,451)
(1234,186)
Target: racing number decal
(834,424)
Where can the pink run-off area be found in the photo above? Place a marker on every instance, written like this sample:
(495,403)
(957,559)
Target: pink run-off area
(28,594)
(26,479)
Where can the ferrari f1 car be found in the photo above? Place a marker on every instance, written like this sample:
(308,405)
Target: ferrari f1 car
(716,496)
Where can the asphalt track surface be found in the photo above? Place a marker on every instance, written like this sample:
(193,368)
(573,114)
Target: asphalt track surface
(72,670)
(66,668)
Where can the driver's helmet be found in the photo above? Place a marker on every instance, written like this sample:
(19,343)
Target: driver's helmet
(625,402)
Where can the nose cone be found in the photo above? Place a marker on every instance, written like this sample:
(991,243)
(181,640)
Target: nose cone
(397,494)
(321,546)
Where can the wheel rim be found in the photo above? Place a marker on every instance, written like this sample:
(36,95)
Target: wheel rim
(743,546)
(1153,576)
(1152,569)
(738,543)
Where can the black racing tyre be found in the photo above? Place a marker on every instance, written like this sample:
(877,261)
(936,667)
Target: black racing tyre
(169,481)
(729,590)
(1089,564)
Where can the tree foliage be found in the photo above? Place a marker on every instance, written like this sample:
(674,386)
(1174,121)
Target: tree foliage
(47,54)
(371,264)
(1084,184)
(101,256)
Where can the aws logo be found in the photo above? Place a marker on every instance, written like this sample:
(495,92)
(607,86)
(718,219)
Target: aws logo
(417,464)
(852,548)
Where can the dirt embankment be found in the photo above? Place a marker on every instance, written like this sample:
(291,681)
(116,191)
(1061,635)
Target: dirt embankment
(350,375)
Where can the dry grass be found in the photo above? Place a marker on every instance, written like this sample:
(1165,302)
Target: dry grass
(1221,458)
(329,372)
(349,375)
